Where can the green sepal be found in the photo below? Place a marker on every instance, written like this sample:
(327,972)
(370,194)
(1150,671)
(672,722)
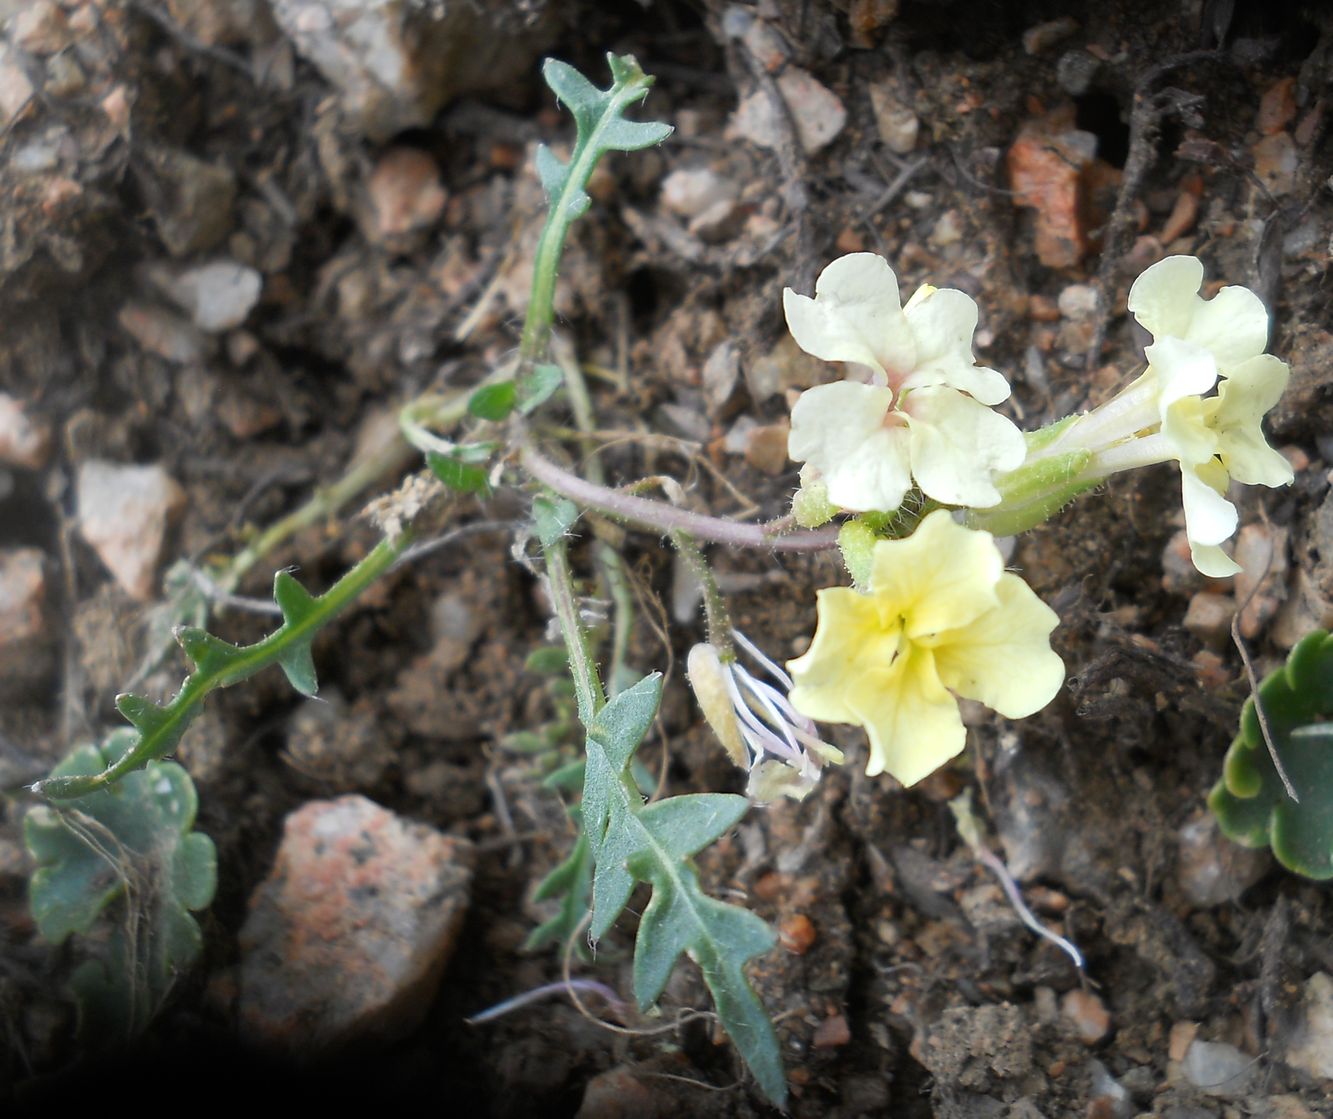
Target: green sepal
(552,518)
(1250,802)
(856,541)
(1034,493)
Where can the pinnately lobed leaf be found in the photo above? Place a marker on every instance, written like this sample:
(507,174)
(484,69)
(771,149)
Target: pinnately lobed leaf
(1249,801)
(633,842)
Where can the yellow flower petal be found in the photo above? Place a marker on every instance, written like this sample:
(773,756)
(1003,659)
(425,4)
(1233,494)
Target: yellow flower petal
(941,577)
(1004,658)
(912,720)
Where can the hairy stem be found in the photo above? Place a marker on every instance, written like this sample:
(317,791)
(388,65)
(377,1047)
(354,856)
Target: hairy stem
(587,684)
(663,518)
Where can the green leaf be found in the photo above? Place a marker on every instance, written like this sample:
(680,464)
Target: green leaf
(126,858)
(601,126)
(493,402)
(633,842)
(549,660)
(458,475)
(537,387)
(574,91)
(552,171)
(1250,802)
(571,882)
(634,135)
(158,727)
(568,778)
(553,517)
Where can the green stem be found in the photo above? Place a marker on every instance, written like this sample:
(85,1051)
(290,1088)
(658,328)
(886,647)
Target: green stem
(241,665)
(587,684)
(715,607)
(560,216)
(609,561)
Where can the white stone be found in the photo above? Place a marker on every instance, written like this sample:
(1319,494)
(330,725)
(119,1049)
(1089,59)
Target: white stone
(1219,1069)
(815,110)
(690,191)
(124,513)
(1313,1048)
(218,295)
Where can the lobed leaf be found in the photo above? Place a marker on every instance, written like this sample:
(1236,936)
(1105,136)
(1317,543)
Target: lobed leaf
(1250,801)
(126,855)
(158,727)
(632,842)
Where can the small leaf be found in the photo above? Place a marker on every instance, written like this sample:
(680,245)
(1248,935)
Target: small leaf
(458,475)
(299,667)
(493,402)
(631,842)
(552,171)
(572,89)
(1250,802)
(552,517)
(568,778)
(147,716)
(621,725)
(537,387)
(296,603)
(211,655)
(549,660)
(634,135)
(685,825)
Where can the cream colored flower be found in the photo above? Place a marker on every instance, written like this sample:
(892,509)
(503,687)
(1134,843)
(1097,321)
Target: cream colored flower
(941,619)
(1216,438)
(1199,344)
(925,416)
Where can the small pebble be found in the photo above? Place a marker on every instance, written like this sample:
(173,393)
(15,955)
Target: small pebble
(832,1033)
(766,447)
(1209,618)
(347,937)
(1211,869)
(25,440)
(1219,1068)
(1310,1045)
(124,513)
(1181,220)
(797,933)
(1277,107)
(690,191)
(1088,1015)
(1078,301)
(218,295)
(816,111)
(898,126)
(1043,36)
(406,195)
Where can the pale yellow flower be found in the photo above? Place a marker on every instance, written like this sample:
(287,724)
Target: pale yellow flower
(940,619)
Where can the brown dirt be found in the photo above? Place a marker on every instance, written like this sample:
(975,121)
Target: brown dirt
(907,984)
